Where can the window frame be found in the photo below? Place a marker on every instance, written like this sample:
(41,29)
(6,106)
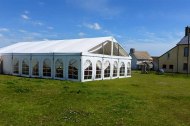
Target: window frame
(171,66)
(128,69)
(35,68)
(107,70)
(185,66)
(15,66)
(98,70)
(186,52)
(122,69)
(47,69)
(73,71)
(88,71)
(59,70)
(25,67)
(164,66)
(115,69)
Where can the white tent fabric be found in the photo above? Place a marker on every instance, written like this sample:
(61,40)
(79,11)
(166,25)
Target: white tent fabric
(115,64)
(56,46)
(87,64)
(122,64)
(106,64)
(73,63)
(99,64)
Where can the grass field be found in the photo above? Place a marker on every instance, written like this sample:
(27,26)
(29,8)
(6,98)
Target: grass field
(143,99)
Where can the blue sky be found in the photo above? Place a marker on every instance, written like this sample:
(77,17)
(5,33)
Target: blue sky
(152,25)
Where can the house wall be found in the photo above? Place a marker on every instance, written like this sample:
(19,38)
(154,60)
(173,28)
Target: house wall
(169,58)
(182,59)
(174,57)
(133,62)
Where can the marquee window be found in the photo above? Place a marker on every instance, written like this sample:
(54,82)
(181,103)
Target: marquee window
(59,68)
(16,66)
(88,70)
(73,69)
(122,69)
(107,69)
(47,68)
(35,67)
(115,66)
(128,69)
(98,69)
(25,67)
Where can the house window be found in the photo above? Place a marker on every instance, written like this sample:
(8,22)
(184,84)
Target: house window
(164,66)
(98,69)
(185,66)
(59,68)
(128,69)
(47,68)
(88,70)
(25,67)
(107,69)
(35,67)
(171,66)
(16,66)
(168,55)
(186,52)
(115,66)
(122,69)
(73,69)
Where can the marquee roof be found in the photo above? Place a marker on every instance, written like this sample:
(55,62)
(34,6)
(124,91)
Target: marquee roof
(91,45)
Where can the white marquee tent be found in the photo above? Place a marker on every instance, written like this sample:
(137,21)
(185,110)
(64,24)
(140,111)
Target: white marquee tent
(76,59)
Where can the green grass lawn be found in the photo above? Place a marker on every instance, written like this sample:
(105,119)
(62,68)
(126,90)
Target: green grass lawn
(143,99)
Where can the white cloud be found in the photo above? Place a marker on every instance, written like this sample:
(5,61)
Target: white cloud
(4,29)
(22,31)
(94,26)
(50,28)
(37,23)
(25,17)
(103,7)
(81,34)
(26,12)
(1,35)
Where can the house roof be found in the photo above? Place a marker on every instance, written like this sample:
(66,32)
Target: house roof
(142,55)
(183,41)
(57,46)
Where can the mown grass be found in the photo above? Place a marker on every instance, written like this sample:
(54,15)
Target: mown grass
(143,99)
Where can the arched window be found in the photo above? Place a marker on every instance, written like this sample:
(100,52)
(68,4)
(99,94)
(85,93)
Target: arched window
(122,69)
(47,68)
(115,66)
(25,67)
(59,68)
(107,69)
(35,67)
(16,66)
(128,69)
(73,69)
(98,69)
(88,69)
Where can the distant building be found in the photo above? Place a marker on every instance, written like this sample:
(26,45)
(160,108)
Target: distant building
(139,59)
(177,59)
(155,62)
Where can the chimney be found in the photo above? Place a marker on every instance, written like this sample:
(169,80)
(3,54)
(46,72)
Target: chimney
(132,50)
(187,30)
